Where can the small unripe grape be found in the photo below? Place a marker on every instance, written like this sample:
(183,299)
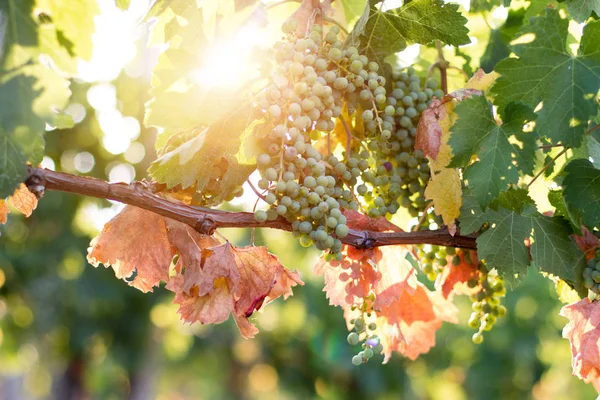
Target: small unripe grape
(477,338)
(357,360)
(260,215)
(341,230)
(353,339)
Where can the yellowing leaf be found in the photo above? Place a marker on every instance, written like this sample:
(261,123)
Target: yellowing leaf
(482,81)
(445,190)
(4,211)
(23,200)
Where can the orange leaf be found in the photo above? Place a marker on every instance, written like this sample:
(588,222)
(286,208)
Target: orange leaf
(4,211)
(257,269)
(401,302)
(358,221)
(588,243)
(284,281)
(583,331)
(135,239)
(453,276)
(212,308)
(23,200)
(412,340)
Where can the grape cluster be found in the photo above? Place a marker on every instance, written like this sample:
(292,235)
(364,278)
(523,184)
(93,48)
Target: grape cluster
(434,260)
(371,344)
(591,274)
(486,302)
(212,194)
(314,78)
(398,173)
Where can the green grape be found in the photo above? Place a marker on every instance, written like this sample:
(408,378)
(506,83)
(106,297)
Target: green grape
(357,360)
(260,216)
(353,338)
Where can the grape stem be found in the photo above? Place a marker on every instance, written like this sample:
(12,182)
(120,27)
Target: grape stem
(206,220)
(563,151)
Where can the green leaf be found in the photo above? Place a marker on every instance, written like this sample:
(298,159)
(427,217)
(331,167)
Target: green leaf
(546,72)
(353,9)
(191,162)
(582,191)
(379,34)
(471,216)
(477,133)
(580,10)
(516,199)
(593,145)
(75,22)
(553,250)
(123,4)
(502,246)
(497,48)
(13,169)
(555,197)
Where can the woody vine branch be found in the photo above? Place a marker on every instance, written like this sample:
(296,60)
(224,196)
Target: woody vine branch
(206,220)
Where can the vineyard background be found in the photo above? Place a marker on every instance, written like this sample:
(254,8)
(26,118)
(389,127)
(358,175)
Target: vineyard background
(68,330)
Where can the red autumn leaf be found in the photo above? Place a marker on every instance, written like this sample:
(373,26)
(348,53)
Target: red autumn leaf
(401,302)
(23,200)
(588,243)
(212,308)
(189,244)
(348,281)
(257,268)
(454,277)
(4,211)
(417,338)
(583,331)
(135,239)
(231,280)
(284,281)
(430,130)
(358,221)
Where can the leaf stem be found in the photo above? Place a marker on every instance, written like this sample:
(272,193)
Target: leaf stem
(563,151)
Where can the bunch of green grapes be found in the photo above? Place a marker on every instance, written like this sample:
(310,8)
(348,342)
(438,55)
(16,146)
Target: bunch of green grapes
(591,274)
(314,77)
(433,259)
(363,332)
(486,302)
(398,173)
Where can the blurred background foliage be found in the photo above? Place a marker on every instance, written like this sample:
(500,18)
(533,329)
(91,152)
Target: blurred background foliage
(71,331)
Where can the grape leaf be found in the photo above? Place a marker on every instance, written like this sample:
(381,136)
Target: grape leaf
(580,10)
(477,133)
(582,191)
(454,278)
(13,168)
(135,239)
(553,250)
(192,162)
(583,332)
(472,216)
(445,190)
(75,22)
(23,200)
(497,48)
(546,72)
(382,33)
(4,211)
(502,245)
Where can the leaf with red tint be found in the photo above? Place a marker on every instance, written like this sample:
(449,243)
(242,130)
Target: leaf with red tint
(429,131)
(455,277)
(358,221)
(189,244)
(304,16)
(4,211)
(285,280)
(257,268)
(212,308)
(412,340)
(583,331)
(23,200)
(247,329)
(402,303)
(234,280)
(588,243)
(348,281)
(135,239)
